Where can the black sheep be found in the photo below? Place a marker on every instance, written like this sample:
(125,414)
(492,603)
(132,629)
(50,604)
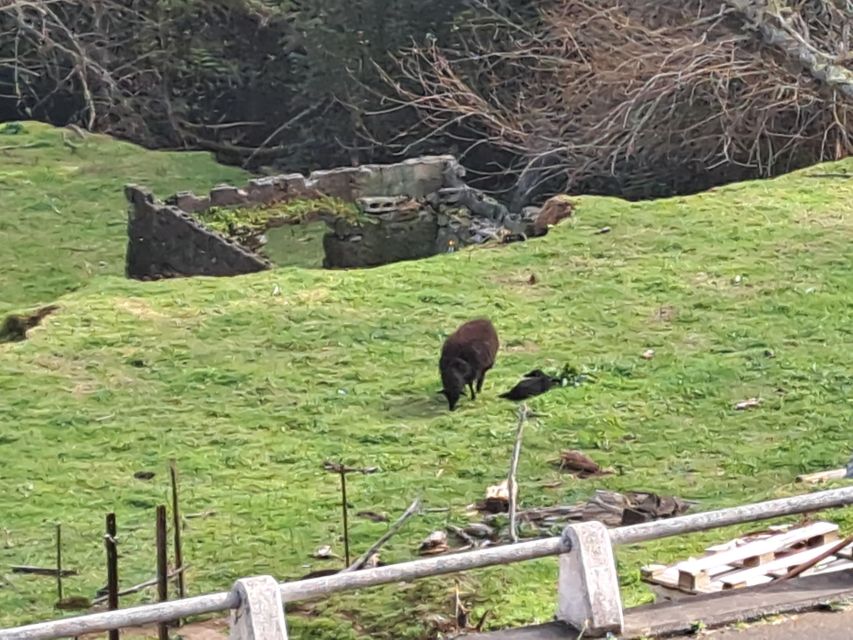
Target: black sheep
(466,356)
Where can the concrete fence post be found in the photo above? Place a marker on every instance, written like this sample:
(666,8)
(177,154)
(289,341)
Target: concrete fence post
(588,596)
(260,615)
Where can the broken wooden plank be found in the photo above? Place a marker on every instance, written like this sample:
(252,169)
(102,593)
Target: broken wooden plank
(805,566)
(694,574)
(651,571)
(746,577)
(669,578)
(822,476)
(836,565)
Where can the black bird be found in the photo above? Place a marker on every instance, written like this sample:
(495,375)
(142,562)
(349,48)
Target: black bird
(534,383)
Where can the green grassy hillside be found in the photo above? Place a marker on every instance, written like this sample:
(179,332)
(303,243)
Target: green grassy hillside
(64,215)
(252,382)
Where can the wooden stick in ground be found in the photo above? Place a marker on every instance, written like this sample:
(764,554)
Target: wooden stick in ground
(112,569)
(512,484)
(176,525)
(343,473)
(58,562)
(808,564)
(364,557)
(162,570)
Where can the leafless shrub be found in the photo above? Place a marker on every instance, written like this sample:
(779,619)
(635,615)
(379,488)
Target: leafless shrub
(637,92)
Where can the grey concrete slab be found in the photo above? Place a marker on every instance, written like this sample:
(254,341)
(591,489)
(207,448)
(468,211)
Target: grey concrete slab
(814,625)
(672,618)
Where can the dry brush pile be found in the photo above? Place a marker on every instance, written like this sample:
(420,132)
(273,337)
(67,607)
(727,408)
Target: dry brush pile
(639,97)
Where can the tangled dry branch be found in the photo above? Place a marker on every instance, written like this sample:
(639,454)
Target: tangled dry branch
(641,92)
(139,70)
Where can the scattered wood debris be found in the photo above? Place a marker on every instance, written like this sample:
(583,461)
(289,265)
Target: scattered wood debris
(580,464)
(749,403)
(832,474)
(497,498)
(101,595)
(42,571)
(373,516)
(324,552)
(462,535)
(435,543)
(603,230)
(607,507)
(822,476)
(364,559)
(775,553)
(201,514)
(479,530)
(143,475)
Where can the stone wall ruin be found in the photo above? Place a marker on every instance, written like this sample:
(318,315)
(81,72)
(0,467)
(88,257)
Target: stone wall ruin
(409,210)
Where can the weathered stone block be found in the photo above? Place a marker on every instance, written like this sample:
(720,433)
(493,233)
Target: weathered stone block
(165,242)
(380,204)
(227,196)
(588,590)
(265,190)
(189,202)
(337,183)
(260,615)
(381,243)
(295,185)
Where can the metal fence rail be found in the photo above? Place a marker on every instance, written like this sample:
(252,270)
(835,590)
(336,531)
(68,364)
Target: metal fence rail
(405,571)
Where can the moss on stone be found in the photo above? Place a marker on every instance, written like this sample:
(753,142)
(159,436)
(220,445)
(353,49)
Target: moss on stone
(246,224)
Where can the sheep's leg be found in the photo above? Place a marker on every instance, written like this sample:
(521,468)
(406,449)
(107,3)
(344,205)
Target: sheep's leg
(480,379)
(471,387)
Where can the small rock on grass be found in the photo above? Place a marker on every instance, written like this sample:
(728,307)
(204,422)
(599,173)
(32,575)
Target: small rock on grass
(749,403)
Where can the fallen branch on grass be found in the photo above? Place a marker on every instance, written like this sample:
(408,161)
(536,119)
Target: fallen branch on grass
(141,586)
(364,557)
(42,571)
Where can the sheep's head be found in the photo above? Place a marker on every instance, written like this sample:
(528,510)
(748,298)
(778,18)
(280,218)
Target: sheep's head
(454,374)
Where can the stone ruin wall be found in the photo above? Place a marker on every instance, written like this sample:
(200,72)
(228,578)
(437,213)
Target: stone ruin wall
(412,204)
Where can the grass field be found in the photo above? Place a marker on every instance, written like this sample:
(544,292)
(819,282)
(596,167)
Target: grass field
(252,391)
(63,219)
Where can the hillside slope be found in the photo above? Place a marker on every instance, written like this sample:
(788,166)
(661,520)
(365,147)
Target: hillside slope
(252,382)
(64,217)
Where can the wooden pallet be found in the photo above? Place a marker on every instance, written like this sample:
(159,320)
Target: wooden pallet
(754,559)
